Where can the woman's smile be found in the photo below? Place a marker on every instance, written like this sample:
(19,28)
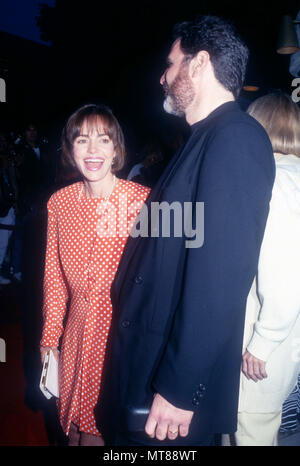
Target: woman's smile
(93,163)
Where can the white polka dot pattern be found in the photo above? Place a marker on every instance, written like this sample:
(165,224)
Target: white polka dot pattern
(81,262)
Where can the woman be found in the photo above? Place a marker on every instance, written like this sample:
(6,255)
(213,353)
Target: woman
(88,224)
(271,356)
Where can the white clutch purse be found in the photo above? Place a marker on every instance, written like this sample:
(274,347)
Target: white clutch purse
(49,376)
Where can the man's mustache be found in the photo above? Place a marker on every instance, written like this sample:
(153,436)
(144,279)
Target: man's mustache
(166,89)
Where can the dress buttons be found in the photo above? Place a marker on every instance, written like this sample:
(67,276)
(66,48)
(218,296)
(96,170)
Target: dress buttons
(138,280)
(125,323)
(195,401)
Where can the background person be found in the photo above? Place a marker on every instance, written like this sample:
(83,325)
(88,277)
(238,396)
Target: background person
(36,182)
(149,170)
(8,197)
(81,261)
(271,357)
(290,413)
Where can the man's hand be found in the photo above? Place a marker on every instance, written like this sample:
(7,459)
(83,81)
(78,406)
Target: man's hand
(253,368)
(165,420)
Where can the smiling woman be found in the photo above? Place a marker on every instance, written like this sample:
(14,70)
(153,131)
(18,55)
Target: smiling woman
(93,143)
(81,263)
(94,153)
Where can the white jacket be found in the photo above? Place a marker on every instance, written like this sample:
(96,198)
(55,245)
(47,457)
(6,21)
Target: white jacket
(272,326)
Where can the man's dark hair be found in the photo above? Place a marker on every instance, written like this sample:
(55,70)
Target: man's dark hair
(227,51)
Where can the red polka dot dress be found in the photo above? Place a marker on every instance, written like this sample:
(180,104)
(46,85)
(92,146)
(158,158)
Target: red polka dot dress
(85,241)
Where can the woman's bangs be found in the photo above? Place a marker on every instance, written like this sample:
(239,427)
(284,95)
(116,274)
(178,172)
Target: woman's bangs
(96,123)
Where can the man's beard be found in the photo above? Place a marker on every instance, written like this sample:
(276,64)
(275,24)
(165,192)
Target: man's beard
(179,95)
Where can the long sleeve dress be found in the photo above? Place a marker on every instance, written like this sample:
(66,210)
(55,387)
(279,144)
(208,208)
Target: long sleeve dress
(85,241)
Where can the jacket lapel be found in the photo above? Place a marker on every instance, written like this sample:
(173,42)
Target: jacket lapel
(132,243)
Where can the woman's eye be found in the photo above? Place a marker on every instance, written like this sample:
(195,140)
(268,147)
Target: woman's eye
(105,140)
(81,141)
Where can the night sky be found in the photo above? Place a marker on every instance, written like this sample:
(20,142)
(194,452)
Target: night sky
(18,17)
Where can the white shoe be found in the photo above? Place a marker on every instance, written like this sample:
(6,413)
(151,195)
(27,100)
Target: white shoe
(4,281)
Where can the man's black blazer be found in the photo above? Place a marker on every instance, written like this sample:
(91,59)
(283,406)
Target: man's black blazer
(178,312)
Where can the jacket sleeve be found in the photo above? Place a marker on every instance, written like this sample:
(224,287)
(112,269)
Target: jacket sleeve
(236,181)
(278,276)
(55,288)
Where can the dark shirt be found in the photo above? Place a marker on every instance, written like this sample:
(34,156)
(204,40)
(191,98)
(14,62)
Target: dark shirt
(36,176)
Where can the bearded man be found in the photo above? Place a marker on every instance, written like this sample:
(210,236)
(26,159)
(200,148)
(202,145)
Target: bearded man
(173,361)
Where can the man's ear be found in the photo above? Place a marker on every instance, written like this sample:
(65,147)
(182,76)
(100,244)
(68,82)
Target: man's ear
(198,63)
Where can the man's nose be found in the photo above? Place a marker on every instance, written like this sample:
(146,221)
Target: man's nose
(162,78)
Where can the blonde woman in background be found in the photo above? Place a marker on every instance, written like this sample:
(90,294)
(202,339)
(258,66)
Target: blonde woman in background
(271,351)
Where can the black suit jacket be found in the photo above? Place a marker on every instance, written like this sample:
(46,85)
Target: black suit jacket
(178,312)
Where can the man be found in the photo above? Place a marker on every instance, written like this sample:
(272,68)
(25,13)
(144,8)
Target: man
(36,180)
(37,170)
(179,305)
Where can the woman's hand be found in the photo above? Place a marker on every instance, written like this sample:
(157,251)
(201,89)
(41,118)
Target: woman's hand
(45,349)
(253,368)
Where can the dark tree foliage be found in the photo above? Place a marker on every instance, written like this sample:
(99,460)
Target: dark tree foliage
(46,21)
(114,52)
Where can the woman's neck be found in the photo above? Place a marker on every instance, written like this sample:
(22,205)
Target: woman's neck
(102,188)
